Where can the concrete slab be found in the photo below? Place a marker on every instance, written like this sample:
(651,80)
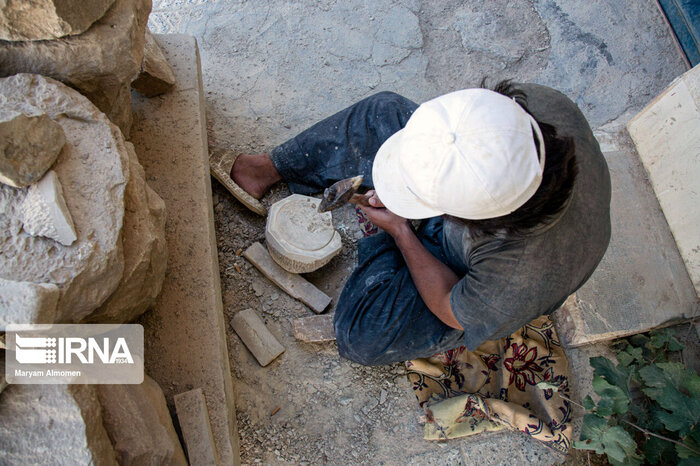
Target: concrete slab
(193,417)
(257,338)
(184,335)
(292,284)
(667,136)
(314,329)
(641,282)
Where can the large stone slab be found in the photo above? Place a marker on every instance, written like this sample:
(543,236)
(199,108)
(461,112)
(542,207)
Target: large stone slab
(667,136)
(641,283)
(99,63)
(48,19)
(145,251)
(29,145)
(93,168)
(185,334)
(57,424)
(133,419)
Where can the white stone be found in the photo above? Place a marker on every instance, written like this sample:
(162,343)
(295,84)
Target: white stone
(48,19)
(94,170)
(100,63)
(56,424)
(44,211)
(301,239)
(145,251)
(29,145)
(667,136)
(27,303)
(133,418)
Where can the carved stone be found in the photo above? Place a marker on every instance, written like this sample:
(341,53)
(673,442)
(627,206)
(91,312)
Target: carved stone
(48,19)
(100,63)
(93,169)
(44,211)
(29,145)
(299,238)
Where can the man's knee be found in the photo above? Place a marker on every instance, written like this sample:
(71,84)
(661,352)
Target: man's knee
(361,347)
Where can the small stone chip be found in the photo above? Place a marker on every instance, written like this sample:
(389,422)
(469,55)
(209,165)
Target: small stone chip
(314,328)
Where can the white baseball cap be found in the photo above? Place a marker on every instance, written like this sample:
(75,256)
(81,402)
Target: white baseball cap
(470,154)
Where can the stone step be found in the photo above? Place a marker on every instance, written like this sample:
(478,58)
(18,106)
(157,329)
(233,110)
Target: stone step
(184,335)
(641,282)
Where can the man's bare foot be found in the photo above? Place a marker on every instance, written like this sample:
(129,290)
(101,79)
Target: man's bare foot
(255,174)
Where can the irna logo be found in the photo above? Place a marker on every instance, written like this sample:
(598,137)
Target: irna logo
(71,350)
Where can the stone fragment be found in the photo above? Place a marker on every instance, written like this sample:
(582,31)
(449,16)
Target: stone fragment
(132,416)
(314,329)
(193,416)
(100,63)
(156,76)
(29,145)
(292,284)
(57,424)
(171,140)
(299,238)
(145,251)
(93,169)
(27,303)
(48,19)
(256,336)
(44,211)
(667,136)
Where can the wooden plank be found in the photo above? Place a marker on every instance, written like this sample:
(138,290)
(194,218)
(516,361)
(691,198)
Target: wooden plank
(292,284)
(256,336)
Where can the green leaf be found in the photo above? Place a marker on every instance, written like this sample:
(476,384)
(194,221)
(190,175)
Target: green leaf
(666,383)
(688,452)
(614,441)
(588,403)
(656,449)
(612,398)
(639,340)
(689,462)
(603,367)
(666,336)
(630,355)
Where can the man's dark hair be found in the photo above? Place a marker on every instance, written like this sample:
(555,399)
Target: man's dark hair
(557,180)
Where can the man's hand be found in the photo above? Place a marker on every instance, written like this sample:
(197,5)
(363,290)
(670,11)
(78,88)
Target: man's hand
(382,217)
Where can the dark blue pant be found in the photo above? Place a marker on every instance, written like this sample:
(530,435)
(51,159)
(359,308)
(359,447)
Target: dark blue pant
(380,317)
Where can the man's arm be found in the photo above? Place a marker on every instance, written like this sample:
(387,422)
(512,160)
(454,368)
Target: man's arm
(433,279)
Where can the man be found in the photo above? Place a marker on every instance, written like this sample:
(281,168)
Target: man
(515,197)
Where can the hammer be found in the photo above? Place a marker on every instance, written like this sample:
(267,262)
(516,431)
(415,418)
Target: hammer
(341,192)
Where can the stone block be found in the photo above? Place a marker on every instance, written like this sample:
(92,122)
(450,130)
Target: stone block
(145,251)
(641,283)
(133,418)
(29,145)
(171,140)
(256,336)
(193,417)
(156,76)
(57,424)
(27,303)
(667,136)
(44,211)
(292,284)
(100,63)
(93,168)
(314,329)
(48,19)
(299,238)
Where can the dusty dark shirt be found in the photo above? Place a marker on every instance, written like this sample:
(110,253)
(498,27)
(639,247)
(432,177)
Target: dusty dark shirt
(509,281)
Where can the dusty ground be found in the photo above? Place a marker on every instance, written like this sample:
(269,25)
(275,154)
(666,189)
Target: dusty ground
(273,68)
